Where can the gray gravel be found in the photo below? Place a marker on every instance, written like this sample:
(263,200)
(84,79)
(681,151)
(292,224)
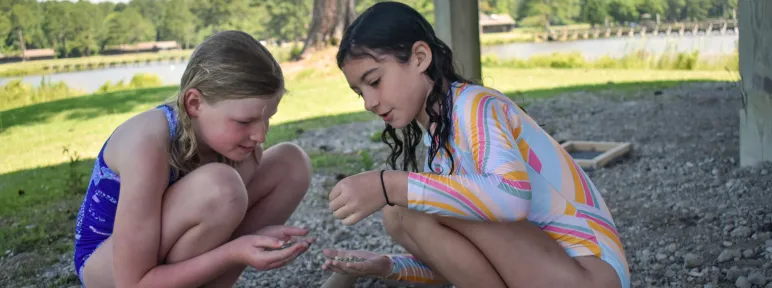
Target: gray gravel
(688,215)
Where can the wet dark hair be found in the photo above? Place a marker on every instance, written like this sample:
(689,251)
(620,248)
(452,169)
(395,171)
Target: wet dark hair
(392,28)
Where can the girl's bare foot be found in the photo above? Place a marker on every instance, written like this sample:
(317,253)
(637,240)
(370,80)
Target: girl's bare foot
(357,262)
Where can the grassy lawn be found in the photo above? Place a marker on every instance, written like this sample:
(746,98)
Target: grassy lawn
(48,148)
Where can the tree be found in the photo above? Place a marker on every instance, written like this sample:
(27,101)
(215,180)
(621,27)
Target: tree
(178,23)
(652,7)
(594,11)
(286,19)
(323,22)
(674,9)
(697,9)
(127,27)
(623,11)
(547,12)
(153,11)
(346,15)
(54,25)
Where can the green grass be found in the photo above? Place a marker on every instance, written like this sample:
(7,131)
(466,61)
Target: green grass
(48,148)
(640,60)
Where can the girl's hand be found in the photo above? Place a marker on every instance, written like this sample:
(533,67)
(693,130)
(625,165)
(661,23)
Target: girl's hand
(282,232)
(264,253)
(356,197)
(357,262)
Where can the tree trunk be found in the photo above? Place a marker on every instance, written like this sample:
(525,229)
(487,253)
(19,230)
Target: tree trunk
(22,45)
(347,15)
(322,24)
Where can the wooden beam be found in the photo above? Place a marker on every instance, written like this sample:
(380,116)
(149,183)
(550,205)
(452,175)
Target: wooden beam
(457,23)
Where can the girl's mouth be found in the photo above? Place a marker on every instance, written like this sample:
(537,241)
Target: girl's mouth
(386,116)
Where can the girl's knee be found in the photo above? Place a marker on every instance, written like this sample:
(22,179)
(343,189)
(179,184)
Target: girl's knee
(392,221)
(399,220)
(295,161)
(223,190)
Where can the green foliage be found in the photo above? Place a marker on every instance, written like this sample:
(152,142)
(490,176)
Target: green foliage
(641,60)
(83,28)
(623,10)
(594,11)
(367,161)
(139,80)
(16,93)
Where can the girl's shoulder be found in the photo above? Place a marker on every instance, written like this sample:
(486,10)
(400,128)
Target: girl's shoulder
(146,132)
(469,97)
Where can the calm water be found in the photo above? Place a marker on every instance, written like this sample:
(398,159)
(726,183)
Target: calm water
(91,80)
(170,73)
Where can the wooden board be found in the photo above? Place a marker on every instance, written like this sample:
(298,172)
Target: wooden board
(596,154)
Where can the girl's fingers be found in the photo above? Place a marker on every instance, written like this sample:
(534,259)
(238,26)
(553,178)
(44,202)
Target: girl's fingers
(343,212)
(337,203)
(294,231)
(335,269)
(282,254)
(350,219)
(358,266)
(266,242)
(283,262)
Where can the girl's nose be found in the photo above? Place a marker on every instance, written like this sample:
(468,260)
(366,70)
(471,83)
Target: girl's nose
(258,135)
(370,102)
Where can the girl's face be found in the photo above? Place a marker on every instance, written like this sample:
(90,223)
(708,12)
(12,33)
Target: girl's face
(392,90)
(232,128)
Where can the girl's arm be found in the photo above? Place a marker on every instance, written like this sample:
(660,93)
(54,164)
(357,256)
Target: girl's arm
(499,192)
(140,159)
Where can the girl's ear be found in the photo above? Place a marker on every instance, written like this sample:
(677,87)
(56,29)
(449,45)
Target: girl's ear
(422,56)
(193,102)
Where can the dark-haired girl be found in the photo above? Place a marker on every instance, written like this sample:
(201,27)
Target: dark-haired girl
(499,203)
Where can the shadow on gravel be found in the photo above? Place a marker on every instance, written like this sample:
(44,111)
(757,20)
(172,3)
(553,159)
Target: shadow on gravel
(41,207)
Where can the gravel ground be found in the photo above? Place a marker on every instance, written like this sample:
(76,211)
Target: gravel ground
(687,214)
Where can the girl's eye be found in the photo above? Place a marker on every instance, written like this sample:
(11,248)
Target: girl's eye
(376,82)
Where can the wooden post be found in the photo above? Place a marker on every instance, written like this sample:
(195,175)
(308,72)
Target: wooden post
(756,74)
(457,23)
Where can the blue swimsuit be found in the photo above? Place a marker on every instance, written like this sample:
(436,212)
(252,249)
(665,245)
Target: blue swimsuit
(97,212)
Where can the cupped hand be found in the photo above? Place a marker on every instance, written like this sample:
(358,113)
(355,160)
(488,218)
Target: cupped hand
(356,197)
(264,252)
(282,232)
(357,262)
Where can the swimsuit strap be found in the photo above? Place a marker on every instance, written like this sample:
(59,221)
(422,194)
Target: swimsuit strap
(171,119)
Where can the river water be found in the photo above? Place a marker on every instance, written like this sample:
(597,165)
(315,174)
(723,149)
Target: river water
(171,72)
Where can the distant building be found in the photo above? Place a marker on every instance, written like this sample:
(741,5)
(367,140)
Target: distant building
(29,54)
(495,23)
(141,47)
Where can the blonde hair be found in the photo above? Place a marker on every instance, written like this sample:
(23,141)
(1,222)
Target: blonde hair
(226,65)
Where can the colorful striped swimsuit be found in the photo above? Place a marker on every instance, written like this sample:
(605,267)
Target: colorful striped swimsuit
(508,169)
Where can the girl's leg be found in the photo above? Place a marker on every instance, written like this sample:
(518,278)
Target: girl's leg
(521,250)
(447,252)
(516,252)
(200,212)
(278,185)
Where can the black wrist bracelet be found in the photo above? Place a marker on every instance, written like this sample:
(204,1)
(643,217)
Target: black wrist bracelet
(383,185)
